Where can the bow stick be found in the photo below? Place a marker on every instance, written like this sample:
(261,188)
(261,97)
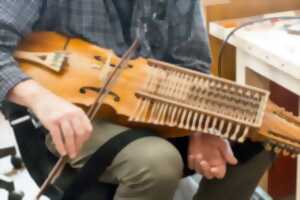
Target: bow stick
(60,165)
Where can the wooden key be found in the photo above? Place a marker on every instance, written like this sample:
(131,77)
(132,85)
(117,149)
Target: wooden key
(152,113)
(207,122)
(173,116)
(135,113)
(183,118)
(214,124)
(188,120)
(236,131)
(167,114)
(194,123)
(162,119)
(157,113)
(221,127)
(141,110)
(228,130)
(200,122)
(145,109)
(244,135)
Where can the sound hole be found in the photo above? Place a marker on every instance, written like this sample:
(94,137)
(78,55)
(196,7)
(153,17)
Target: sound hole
(83,90)
(98,58)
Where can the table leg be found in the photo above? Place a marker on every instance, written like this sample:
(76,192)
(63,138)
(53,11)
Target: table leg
(244,75)
(241,65)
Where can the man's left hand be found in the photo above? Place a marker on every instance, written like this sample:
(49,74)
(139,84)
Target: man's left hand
(209,155)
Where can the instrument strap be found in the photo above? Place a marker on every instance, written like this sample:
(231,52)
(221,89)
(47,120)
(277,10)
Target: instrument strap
(100,160)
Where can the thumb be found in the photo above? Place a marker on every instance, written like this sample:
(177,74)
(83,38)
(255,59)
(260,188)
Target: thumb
(227,153)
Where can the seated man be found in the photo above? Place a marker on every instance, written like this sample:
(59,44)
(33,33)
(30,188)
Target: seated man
(169,30)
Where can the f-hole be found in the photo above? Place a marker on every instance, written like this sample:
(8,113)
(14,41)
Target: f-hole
(101,59)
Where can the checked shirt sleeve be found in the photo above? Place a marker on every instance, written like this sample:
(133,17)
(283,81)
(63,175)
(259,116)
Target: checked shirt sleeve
(16,20)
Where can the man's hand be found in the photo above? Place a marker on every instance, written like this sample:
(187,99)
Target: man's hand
(209,155)
(68,124)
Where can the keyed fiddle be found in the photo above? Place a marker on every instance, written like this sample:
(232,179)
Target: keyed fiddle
(172,100)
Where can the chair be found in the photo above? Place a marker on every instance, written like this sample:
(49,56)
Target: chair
(39,161)
(6,184)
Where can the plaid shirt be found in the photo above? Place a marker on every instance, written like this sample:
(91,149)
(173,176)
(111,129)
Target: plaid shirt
(170,30)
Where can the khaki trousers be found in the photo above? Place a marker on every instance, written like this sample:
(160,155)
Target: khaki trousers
(147,169)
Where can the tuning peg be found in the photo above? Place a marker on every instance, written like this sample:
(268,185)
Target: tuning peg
(268,147)
(294,155)
(277,150)
(285,152)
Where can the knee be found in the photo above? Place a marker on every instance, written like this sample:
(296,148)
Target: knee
(158,160)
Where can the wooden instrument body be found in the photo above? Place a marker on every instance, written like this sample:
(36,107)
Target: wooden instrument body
(86,66)
(83,68)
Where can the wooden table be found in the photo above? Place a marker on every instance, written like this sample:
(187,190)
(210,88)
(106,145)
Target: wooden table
(263,54)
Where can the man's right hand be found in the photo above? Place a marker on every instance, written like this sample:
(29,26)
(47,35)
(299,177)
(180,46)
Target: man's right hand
(68,124)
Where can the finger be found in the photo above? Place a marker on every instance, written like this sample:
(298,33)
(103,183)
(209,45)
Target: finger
(197,166)
(227,153)
(80,132)
(206,169)
(202,167)
(191,161)
(219,171)
(69,138)
(87,126)
(58,139)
